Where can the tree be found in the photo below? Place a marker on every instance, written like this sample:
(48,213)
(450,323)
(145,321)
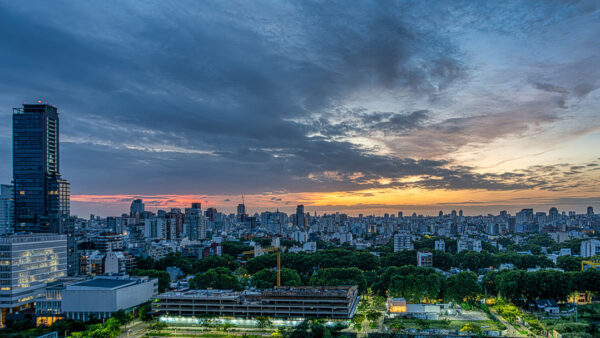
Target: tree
(471,327)
(123,317)
(110,329)
(163,277)
(358,318)
(443,260)
(569,263)
(400,258)
(144,263)
(267,278)
(412,283)
(339,276)
(463,286)
(214,261)
(264,322)
(373,315)
(145,312)
(67,325)
(218,278)
(235,248)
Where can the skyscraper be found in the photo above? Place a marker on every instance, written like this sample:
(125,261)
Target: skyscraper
(553,214)
(6,209)
(195,222)
(41,196)
(136,208)
(300,222)
(241,212)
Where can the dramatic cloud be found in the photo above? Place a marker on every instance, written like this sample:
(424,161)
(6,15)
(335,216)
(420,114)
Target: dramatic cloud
(216,99)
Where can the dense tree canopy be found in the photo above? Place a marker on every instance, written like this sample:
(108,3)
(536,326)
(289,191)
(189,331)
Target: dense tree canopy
(211,262)
(267,278)
(462,287)
(415,283)
(339,276)
(235,248)
(217,278)
(163,277)
(516,284)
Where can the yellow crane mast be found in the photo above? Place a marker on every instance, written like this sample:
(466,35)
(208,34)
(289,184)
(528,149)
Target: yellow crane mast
(594,263)
(258,251)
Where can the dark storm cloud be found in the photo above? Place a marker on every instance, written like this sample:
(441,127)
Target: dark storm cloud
(550,88)
(221,97)
(178,98)
(360,121)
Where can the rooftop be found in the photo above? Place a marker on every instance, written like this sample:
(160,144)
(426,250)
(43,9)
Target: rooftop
(105,283)
(27,238)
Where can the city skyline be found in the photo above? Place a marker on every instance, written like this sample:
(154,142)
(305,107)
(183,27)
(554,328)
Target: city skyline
(386,107)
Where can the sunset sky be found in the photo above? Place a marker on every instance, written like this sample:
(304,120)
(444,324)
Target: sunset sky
(383,106)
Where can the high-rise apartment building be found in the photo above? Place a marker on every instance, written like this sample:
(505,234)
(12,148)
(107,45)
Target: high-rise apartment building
(241,212)
(27,263)
(195,222)
(300,217)
(41,196)
(136,208)
(440,245)
(590,248)
(7,209)
(425,259)
(402,242)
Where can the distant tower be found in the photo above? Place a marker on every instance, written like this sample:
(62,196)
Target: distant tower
(460,213)
(553,214)
(136,208)
(241,211)
(300,221)
(441,213)
(211,213)
(590,211)
(194,221)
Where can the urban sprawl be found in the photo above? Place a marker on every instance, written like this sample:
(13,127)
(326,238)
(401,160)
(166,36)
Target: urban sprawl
(195,270)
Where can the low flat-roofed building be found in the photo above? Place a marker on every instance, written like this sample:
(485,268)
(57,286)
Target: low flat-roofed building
(336,302)
(48,307)
(425,259)
(102,296)
(398,307)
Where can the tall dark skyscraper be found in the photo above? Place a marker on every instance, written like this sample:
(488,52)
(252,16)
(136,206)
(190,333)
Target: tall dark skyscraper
(241,212)
(137,207)
(42,197)
(300,222)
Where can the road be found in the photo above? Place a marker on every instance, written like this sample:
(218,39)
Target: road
(135,329)
(510,329)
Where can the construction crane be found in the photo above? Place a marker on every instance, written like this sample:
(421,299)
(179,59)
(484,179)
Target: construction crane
(594,263)
(259,251)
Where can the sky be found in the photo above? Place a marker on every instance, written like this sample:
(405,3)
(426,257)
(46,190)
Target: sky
(362,107)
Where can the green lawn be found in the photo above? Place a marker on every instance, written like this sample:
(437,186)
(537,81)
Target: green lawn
(568,327)
(486,325)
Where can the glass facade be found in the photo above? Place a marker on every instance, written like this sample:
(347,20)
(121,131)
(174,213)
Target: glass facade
(41,196)
(27,263)
(7,210)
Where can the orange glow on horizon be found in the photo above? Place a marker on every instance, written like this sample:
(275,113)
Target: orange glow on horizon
(363,201)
